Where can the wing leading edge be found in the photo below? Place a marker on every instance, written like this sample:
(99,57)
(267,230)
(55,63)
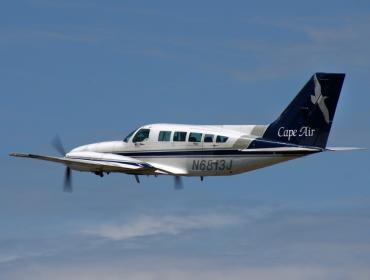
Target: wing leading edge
(99,162)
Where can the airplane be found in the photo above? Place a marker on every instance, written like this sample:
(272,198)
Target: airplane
(181,150)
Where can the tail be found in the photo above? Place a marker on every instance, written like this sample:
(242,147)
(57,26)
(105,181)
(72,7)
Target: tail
(308,118)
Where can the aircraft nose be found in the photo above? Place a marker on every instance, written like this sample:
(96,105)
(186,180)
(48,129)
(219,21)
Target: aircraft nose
(101,147)
(80,149)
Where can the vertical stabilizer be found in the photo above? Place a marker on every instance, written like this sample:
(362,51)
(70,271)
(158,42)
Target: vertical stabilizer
(308,118)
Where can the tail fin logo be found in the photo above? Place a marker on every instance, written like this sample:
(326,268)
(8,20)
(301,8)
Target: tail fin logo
(319,99)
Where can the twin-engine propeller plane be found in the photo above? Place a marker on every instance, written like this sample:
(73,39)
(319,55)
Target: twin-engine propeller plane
(214,150)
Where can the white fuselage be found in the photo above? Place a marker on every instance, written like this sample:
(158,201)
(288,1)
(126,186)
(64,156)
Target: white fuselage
(190,150)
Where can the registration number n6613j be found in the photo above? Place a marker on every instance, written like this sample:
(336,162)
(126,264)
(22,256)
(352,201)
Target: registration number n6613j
(212,165)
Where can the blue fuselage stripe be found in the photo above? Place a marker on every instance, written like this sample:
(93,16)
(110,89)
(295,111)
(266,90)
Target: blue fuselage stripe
(212,153)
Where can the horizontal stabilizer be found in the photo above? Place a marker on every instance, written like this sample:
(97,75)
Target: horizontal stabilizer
(343,149)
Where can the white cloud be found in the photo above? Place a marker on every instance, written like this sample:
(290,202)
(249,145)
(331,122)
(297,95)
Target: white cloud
(181,269)
(8,258)
(155,225)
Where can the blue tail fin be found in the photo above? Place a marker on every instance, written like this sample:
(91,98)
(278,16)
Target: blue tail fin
(308,118)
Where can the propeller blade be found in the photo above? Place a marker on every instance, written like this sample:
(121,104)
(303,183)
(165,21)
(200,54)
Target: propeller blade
(58,145)
(67,180)
(178,183)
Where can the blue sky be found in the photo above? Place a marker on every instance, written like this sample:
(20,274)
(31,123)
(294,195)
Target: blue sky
(95,70)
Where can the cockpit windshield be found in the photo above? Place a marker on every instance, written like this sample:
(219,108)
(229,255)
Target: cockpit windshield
(127,138)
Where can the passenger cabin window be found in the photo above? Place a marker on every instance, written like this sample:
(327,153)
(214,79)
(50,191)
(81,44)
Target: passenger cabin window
(164,136)
(208,138)
(221,139)
(141,135)
(195,137)
(128,136)
(179,136)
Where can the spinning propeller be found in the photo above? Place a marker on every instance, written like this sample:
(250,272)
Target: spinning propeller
(58,145)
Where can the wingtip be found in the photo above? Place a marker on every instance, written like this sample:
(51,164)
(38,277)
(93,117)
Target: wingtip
(18,155)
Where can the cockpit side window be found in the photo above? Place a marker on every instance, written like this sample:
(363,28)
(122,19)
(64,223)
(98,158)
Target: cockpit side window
(141,135)
(164,136)
(195,137)
(221,139)
(208,138)
(128,136)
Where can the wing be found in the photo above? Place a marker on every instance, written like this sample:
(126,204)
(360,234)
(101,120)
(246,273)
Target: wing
(104,162)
